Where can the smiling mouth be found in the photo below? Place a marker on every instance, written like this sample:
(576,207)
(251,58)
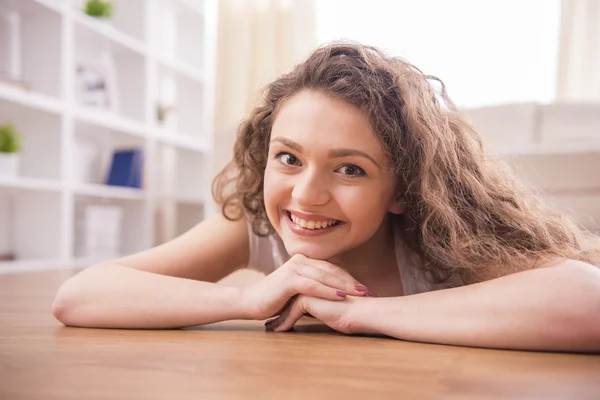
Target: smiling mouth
(312,225)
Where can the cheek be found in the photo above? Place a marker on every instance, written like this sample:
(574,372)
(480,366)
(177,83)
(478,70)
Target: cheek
(275,191)
(365,208)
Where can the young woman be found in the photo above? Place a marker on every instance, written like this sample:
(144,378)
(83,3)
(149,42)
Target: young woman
(369,203)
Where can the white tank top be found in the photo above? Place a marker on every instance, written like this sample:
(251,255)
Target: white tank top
(269,253)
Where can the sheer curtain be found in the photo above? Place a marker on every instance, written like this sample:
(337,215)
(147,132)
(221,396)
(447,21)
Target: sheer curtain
(257,41)
(579,54)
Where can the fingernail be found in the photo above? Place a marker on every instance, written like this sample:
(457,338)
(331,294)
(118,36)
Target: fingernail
(361,288)
(341,294)
(271,326)
(372,294)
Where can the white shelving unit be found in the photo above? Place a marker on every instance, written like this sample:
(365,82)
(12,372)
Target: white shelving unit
(155,52)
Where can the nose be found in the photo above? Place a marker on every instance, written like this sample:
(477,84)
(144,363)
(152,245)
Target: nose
(310,190)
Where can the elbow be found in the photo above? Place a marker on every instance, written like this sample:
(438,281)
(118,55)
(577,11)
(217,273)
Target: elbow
(72,296)
(64,303)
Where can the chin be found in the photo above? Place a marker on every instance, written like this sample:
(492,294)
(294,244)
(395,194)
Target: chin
(314,251)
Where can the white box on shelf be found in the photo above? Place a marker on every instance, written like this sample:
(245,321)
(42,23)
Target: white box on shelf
(99,231)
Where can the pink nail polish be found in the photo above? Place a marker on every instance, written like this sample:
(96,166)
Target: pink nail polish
(341,294)
(372,294)
(361,288)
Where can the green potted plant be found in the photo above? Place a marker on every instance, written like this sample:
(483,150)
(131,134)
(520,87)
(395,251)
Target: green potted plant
(10,144)
(99,8)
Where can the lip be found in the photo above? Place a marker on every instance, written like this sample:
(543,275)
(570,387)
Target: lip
(300,231)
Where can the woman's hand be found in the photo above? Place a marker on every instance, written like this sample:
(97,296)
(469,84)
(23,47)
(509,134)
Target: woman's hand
(300,275)
(335,314)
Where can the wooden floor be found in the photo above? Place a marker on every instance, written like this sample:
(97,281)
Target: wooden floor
(40,359)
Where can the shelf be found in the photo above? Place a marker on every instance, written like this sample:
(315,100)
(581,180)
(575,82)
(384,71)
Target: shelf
(182,24)
(109,32)
(21,183)
(31,47)
(110,120)
(41,151)
(27,98)
(182,141)
(88,87)
(110,192)
(33,6)
(55,5)
(30,224)
(192,5)
(31,265)
(182,68)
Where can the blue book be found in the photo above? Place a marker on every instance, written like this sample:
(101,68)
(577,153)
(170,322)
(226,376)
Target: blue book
(126,169)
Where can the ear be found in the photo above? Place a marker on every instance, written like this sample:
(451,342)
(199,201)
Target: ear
(398,205)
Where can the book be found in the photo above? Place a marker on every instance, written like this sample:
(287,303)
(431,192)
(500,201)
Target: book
(126,169)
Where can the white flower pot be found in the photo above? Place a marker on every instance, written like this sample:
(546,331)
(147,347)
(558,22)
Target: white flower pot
(9,165)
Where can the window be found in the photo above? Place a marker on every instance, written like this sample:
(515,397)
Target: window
(486,52)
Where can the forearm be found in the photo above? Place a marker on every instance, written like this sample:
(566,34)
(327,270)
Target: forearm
(113,296)
(554,308)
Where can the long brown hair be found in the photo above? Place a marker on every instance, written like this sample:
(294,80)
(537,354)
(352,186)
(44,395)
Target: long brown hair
(465,212)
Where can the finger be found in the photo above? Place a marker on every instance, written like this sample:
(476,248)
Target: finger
(352,285)
(287,304)
(323,276)
(274,323)
(315,288)
(289,320)
(332,276)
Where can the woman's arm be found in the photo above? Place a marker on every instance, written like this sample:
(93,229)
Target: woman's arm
(554,308)
(172,285)
(168,286)
(114,296)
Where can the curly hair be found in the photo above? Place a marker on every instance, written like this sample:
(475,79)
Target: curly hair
(466,213)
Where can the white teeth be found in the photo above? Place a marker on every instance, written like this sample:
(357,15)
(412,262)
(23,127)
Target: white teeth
(312,224)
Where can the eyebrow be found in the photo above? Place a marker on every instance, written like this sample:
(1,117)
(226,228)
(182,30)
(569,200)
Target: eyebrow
(333,153)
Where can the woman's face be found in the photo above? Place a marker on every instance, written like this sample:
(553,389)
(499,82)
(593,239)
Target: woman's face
(327,187)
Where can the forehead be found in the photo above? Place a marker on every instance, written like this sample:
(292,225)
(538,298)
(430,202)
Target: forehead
(314,119)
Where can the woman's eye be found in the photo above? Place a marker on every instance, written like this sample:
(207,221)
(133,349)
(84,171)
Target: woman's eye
(352,170)
(287,159)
